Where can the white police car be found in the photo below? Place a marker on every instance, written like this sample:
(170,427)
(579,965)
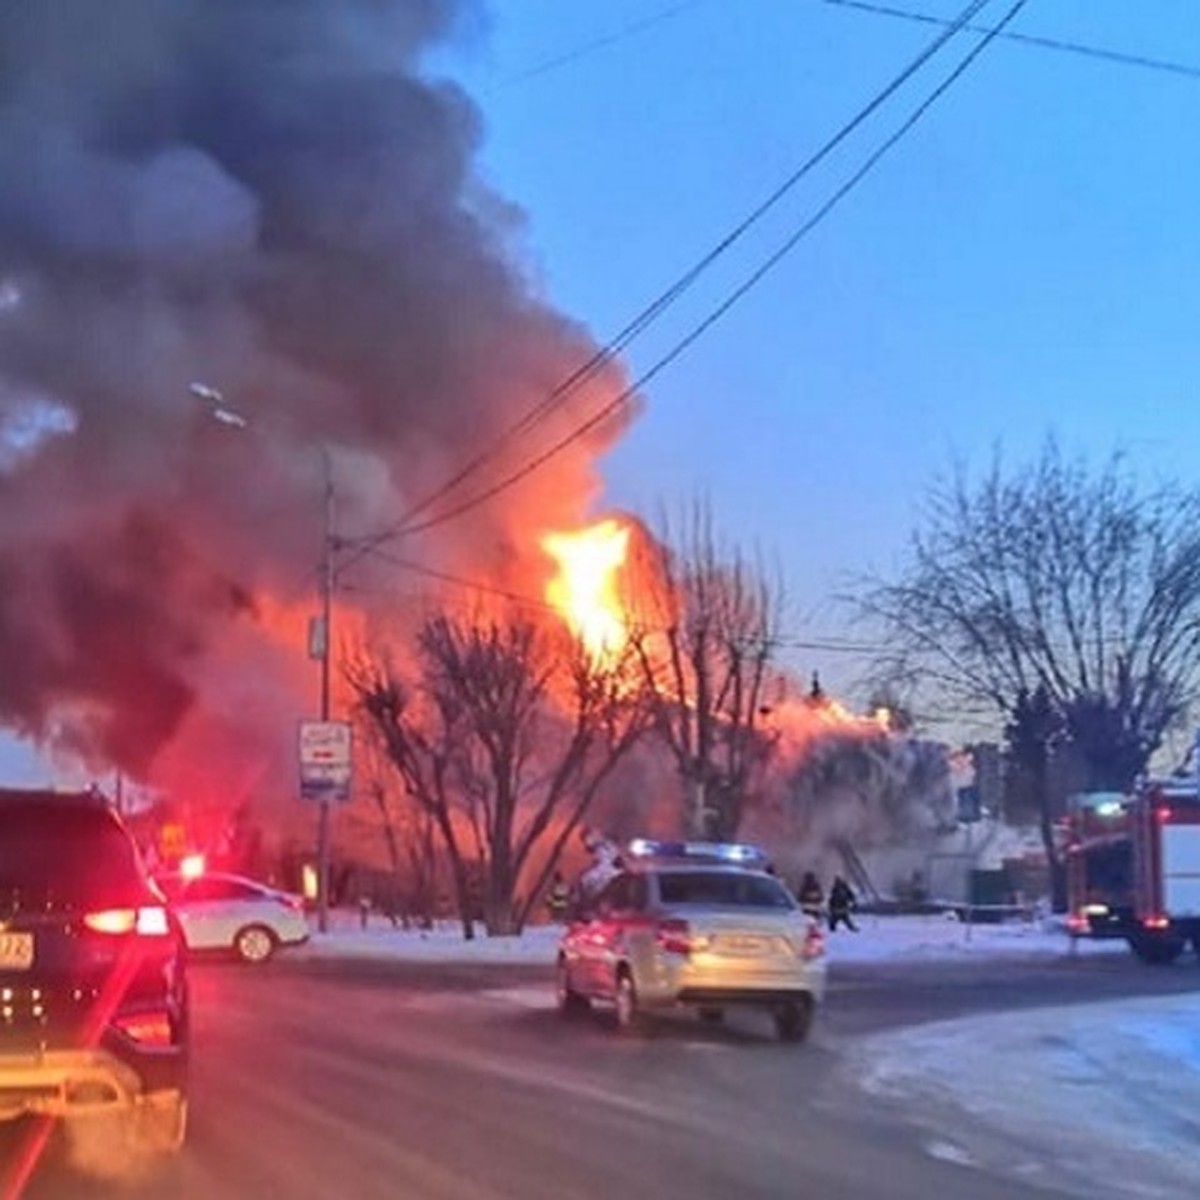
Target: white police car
(696,924)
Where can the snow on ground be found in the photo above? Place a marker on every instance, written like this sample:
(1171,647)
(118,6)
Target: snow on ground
(880,939)
(1103,1099)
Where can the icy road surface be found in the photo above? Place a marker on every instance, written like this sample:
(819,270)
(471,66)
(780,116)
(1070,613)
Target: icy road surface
(1103,1099)
(329,1077)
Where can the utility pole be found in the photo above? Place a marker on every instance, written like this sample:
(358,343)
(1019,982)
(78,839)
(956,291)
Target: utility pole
(327,581)
(227,415)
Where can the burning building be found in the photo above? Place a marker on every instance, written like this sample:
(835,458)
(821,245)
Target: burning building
(282,202)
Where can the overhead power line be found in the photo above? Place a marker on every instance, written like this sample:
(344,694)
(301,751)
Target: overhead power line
(1120,57)
(832,645)
(618,402)
(610,351)
(599,43)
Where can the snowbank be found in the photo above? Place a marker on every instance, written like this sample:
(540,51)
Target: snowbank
(880,939)
(1100,1099)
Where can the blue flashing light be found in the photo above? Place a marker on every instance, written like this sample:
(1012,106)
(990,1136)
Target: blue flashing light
(727,852)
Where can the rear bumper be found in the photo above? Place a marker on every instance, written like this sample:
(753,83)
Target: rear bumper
(698,981)
(65,1083)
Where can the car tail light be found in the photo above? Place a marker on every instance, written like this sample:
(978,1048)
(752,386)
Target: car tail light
(147,1028)
(150,921)
(814,943)
(674,936)
(1157,922)
(1077,923)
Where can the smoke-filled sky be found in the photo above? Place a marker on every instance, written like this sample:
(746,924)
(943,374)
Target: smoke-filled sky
(274,199)
(373,226)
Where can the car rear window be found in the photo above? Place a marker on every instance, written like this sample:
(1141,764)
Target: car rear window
(723,889)
(74,855)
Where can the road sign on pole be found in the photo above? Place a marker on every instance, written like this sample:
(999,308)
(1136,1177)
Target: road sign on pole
(326,761)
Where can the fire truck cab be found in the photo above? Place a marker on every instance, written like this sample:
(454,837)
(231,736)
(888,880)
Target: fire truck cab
(1133,868)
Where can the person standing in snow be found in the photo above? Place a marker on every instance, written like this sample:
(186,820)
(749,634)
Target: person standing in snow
(811,897)
(841,904)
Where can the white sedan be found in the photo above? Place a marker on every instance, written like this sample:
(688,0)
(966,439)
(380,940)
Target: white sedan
(227,912)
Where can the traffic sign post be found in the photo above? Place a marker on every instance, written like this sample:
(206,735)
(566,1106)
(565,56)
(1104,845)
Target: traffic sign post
(326,761)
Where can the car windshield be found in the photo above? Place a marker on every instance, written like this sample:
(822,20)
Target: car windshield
(722,889)
(72,855)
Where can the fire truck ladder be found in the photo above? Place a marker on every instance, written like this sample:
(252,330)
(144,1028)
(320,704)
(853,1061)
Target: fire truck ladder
(860,880)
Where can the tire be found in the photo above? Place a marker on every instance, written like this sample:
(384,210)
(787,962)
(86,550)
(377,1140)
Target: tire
(570,1003)
(1157,951)
(710,1015)
(254,944)
(793,1019)
(626,1005)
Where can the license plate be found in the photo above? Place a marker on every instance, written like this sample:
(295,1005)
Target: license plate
(744,946)
(16,951)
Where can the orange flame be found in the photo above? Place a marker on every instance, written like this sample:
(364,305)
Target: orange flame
(584,590)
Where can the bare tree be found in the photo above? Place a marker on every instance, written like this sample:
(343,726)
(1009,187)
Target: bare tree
(1077,583)
(705,635)
(505,737)
(406,827)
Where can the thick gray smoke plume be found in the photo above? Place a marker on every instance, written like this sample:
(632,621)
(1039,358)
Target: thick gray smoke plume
(269,196)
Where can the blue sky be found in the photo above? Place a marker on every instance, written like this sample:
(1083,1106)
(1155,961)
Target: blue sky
(1022,263)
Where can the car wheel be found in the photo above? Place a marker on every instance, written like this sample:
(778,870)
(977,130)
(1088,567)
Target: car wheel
(793,1020)
(628,1010)
(570,1002)
(254,944)
(159,1124)
(712,1016)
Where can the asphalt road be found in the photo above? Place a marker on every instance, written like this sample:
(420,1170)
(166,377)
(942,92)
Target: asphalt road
(440,1083)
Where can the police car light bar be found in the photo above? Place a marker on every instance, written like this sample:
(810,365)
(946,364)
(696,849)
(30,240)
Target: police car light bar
(729,852)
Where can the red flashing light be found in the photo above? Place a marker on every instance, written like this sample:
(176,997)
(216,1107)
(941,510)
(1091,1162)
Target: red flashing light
(1157,922)
(1077,923)
(117,922)
(192,866)
(1163,813)
(674,936)
(147,1029)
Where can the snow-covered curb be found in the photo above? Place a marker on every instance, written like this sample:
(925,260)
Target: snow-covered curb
(1101,1099)
(880,939)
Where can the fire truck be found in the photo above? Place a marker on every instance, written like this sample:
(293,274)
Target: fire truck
(1133,868)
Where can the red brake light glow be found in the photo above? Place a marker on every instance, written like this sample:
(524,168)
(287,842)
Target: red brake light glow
(117,922)
(674,936)
(1157,922)
(814,943)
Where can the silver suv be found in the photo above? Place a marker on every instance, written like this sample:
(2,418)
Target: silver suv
(687,926)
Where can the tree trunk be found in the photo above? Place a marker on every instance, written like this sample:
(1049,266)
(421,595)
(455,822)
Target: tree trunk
(1058,871)
(696,815)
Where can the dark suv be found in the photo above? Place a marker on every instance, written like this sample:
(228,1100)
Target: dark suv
(93,995)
